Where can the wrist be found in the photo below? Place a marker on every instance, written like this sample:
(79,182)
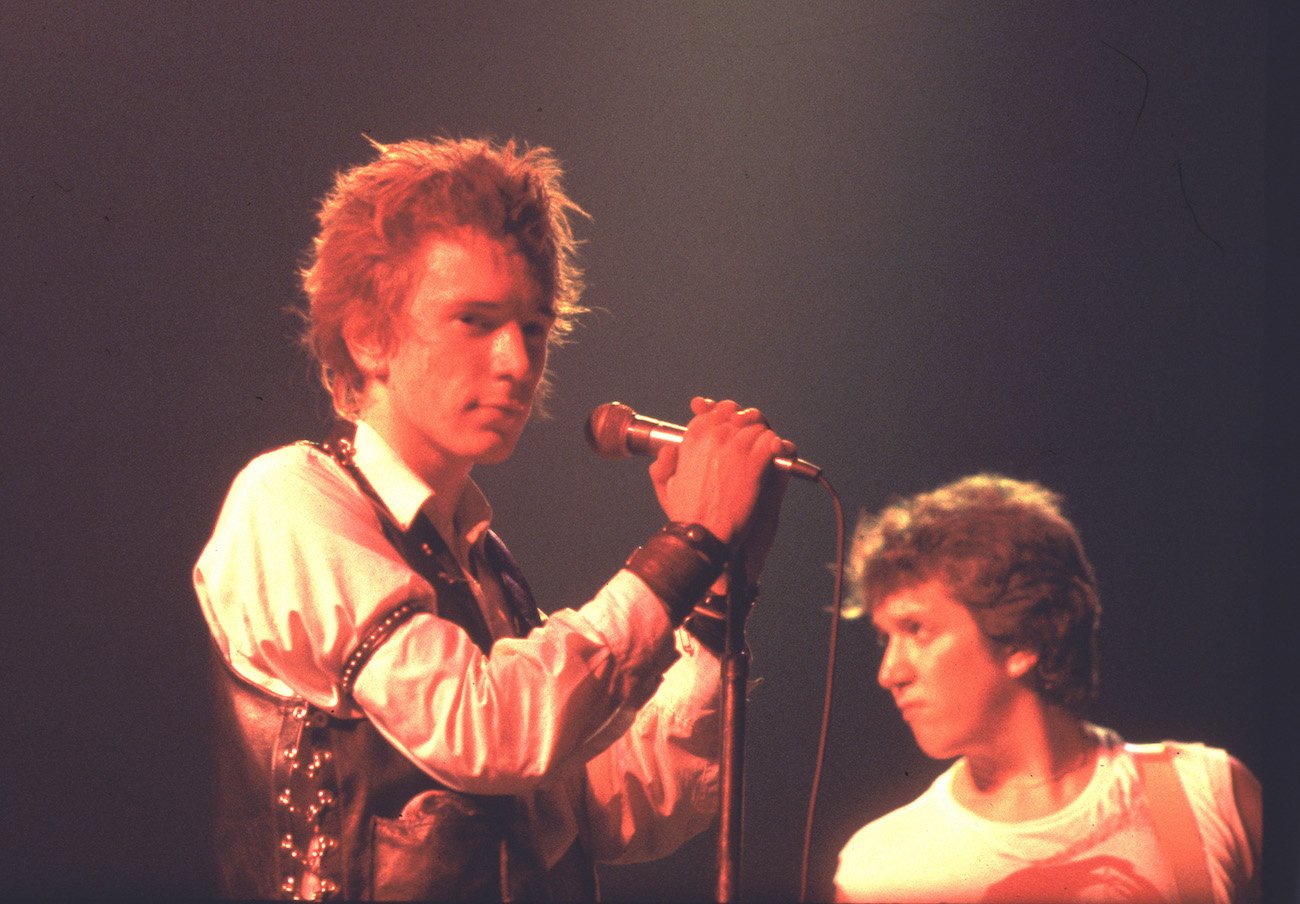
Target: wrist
(708,619)
(679,563)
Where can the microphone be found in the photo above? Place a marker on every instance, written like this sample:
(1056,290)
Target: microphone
(615,432)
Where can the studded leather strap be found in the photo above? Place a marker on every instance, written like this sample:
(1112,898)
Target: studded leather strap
(377,635)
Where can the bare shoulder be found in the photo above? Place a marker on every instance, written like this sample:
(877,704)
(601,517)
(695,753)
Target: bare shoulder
(1248,793)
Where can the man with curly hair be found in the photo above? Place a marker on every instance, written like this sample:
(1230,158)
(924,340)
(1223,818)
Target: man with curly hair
(395,717)
(986,608)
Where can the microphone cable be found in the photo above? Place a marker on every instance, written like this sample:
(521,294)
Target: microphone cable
(832,645)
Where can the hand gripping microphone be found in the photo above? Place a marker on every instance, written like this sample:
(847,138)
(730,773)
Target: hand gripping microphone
(615,431)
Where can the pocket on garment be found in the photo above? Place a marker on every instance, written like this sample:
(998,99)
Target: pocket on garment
(443,847)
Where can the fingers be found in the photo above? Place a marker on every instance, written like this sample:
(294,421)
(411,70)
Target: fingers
(725,412)
(725,421)
(762,445)
(700,405)
(721,469)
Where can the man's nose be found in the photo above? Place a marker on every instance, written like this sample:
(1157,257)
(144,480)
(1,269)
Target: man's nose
(894,669)
(510,353)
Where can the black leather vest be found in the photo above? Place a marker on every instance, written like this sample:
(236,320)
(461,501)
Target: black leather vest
(309,806)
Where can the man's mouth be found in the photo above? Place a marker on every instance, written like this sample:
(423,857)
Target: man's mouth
(506,409)
(906,708)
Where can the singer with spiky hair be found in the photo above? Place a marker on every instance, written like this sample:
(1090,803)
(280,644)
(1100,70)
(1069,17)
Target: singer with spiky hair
(395,718)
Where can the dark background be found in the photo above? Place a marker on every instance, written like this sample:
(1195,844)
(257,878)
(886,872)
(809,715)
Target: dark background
(926,238)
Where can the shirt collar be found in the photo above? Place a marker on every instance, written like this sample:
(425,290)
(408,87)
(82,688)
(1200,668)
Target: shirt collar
(405,492)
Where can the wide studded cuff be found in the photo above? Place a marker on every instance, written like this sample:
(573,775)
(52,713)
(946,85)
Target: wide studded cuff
(679,563)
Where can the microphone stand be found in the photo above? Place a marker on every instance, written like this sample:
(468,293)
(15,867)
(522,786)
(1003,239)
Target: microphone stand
(735,678)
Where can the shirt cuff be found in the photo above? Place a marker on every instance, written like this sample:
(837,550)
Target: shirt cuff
(634,622)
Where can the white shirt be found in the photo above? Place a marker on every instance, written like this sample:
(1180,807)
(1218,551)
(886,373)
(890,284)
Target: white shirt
(298,569)
(1099,847)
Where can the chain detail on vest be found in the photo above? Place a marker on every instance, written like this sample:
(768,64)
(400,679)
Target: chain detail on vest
(304,772)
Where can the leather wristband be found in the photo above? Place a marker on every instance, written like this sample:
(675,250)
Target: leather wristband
(708,620)
(679,563)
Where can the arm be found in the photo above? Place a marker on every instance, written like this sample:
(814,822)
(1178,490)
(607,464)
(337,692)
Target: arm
(1247,794)
(298,567)
(534,708)
(658,785)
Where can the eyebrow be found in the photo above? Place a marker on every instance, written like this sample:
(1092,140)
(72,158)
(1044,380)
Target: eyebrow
(478,304)
(905,612)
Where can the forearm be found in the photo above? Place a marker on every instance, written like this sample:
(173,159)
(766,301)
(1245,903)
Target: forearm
(504,723)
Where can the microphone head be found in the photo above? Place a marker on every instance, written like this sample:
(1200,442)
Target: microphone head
(606,430)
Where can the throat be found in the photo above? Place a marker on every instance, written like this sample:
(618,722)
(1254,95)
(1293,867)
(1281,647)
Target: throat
(1030,789)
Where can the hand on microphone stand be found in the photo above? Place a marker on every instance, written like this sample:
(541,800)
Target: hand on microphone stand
(723,475)
(728,471)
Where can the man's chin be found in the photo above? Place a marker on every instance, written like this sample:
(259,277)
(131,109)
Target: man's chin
(933,747)
(494,453)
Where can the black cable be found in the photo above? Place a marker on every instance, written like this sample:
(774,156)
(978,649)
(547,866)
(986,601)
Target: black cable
(830,683)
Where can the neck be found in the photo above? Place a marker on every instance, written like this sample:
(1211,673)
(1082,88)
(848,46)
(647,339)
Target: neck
(446,475)
(1032,771)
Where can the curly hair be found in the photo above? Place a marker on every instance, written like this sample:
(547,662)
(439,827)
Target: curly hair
(379,216)
(1005,551)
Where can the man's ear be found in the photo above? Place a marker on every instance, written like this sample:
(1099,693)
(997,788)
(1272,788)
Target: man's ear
(1019,662)
(367,349)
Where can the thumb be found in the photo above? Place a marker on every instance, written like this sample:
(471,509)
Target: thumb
(661,469)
